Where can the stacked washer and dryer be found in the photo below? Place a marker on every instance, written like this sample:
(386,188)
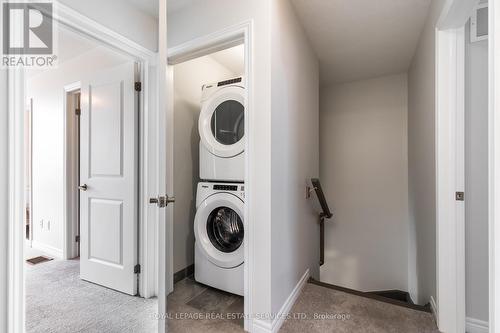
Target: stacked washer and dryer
(218,225)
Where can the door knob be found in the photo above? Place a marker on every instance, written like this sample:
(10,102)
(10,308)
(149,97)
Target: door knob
(162,201)
(83,187)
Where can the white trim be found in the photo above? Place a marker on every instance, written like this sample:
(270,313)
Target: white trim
(161,123)
(230,36)
(50,250)
(476,326)
(450,214)
(201,46)
(434,308)
(455,14)
(261,326)
(16,201)
(494,166)
(84,26)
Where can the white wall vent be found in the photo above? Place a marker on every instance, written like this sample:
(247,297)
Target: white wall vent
(479,23)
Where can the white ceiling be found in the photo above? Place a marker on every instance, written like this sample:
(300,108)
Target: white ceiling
(71,45)
(150,7)
(175,5)
(359,39)
(233,59)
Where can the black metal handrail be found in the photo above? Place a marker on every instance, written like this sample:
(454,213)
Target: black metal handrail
(325,214)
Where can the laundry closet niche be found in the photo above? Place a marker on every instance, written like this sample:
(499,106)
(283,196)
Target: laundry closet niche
(188,79)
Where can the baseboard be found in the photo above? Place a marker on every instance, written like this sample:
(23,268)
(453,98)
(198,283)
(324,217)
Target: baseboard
(434,308)
(476,326)
(183,273)
(261,326)
(50,250)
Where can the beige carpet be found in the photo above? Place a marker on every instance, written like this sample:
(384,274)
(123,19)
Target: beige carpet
(319,309)
(58,301)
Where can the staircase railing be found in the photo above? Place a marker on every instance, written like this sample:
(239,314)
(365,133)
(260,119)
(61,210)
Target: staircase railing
(324,214)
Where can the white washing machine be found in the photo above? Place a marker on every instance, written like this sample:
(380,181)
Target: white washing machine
(219,236)
(222,131)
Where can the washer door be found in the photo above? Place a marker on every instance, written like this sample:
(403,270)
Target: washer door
(222,122)
(219,229)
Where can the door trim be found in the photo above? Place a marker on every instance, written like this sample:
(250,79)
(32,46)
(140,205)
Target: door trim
(449,307)
(69,18)
(450,178)
(494,165)
(70,181)
(231,36)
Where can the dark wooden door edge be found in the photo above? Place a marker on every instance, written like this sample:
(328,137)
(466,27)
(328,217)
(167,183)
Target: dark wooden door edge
(376,297)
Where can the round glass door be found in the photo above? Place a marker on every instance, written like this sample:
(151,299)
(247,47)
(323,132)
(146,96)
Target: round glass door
(225,229)
(222,122)
(228,122)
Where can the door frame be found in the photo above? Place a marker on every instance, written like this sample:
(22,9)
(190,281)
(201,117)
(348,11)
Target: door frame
(71,167)
(231,36)
(449,307)
(494,165)
(450,178)
(30,108)
(82,25)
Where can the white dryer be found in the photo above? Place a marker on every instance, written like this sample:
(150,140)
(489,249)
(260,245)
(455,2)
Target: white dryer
(222,131)
(219,236)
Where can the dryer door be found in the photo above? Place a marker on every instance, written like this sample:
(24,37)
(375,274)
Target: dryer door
(219,229)
(222,122)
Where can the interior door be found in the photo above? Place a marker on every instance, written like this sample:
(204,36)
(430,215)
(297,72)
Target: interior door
(108,178)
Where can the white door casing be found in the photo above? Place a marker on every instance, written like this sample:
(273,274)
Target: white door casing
(109,169)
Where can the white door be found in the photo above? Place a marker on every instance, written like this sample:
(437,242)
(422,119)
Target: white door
(108,174)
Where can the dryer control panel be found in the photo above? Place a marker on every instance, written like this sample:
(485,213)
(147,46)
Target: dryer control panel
(225,187)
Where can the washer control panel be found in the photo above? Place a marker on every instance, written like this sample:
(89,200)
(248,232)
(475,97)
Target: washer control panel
(206,189)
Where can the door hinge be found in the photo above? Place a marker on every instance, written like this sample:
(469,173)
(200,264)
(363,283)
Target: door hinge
(137,269)
(460,196)
(138,86)
(78,112)
(77,239)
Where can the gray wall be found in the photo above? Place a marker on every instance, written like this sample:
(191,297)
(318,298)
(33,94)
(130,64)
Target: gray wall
(364,171)
(188,80)
(476,179)
(421,162)
(295,153)
(4,217)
